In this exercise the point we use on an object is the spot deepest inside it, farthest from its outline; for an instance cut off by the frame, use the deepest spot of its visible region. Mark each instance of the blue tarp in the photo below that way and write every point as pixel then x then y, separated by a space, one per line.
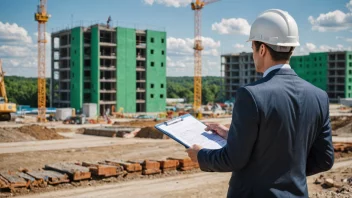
pixel 26 109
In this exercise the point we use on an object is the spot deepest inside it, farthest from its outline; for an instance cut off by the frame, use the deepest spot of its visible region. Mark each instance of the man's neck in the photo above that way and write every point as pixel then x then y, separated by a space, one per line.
pixel 274 63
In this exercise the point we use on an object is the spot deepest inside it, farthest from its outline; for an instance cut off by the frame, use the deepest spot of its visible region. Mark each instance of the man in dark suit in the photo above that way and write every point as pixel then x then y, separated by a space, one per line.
pixel 280 130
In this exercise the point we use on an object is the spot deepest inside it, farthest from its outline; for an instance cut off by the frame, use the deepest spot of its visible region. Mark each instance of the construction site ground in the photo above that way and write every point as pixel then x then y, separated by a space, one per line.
pixel 73 146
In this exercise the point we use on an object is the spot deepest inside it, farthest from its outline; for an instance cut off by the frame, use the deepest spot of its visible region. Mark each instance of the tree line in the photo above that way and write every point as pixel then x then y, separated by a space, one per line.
pixel 24 91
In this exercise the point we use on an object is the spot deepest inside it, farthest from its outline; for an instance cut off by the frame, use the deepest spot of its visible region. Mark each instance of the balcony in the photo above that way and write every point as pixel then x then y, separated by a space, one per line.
pixel 108 80
pixel 140 68
pixel 108 68
pixel 140 90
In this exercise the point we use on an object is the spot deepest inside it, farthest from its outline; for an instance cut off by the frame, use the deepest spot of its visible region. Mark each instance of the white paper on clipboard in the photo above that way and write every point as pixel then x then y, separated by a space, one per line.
pixel 189 131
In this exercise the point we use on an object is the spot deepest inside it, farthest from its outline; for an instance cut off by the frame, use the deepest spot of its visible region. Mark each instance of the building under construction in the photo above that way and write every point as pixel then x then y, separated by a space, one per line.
pixel 113 67
pixel 330 71
pixel 238 70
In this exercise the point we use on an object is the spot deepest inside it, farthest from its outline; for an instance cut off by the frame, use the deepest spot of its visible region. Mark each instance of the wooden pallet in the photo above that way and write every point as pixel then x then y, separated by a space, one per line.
pixel 75 172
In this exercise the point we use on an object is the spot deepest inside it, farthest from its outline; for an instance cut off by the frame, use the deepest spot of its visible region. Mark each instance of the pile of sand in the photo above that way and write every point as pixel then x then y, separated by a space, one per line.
pixel 8 135
pixel 40 132
pixel 151 132
pixel 28 133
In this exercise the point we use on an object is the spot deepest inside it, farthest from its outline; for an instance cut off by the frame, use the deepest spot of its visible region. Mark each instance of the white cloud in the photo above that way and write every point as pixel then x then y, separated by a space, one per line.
pixel 184 66
pixel 232 26
pixel 310 47
pixel 349 5
pixel 238 46
pixel 19 52
pixel 179 46
pixel 13 33
pixel 179 63
pixel 333 21
pixel 344 39
pixel 169 3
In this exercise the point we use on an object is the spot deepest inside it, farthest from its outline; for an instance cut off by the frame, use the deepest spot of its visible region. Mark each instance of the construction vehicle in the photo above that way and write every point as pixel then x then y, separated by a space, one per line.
pixel 6 108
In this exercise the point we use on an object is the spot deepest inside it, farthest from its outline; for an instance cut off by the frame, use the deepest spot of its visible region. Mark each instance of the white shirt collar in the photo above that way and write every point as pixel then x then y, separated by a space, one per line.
pixel 281 66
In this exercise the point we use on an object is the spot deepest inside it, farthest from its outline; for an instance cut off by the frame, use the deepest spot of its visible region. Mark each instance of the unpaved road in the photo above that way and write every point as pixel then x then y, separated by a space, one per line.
pixel 195 185
pixel 86 141
pixel 78 141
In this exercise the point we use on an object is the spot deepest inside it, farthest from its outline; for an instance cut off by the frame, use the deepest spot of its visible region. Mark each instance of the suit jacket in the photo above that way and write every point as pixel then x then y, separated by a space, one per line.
pixel 280 133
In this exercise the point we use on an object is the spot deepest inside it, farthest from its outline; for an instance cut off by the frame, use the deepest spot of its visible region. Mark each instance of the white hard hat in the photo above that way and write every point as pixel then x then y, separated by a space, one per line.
pixel 276 28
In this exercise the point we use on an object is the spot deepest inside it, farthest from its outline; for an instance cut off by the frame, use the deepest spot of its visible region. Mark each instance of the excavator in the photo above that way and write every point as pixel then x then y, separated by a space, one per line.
pixel 6 108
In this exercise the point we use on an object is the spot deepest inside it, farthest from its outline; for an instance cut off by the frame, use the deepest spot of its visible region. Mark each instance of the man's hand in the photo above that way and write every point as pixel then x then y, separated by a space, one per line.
pixel 219 129
pixel 193 152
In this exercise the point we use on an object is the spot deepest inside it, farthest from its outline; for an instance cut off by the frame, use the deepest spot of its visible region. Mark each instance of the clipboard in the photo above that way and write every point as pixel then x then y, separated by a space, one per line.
pixel 187 131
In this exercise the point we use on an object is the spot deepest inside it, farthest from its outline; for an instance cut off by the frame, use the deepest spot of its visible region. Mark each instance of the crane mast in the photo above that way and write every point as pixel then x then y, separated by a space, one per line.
pixel 42 18
pixel 198 47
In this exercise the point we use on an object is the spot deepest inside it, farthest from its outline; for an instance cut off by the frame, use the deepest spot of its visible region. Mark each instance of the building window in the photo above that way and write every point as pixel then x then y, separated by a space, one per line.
pixel 152 51
pixel 75 51
pixel 349 87
pixel 151 85
pixel 351 64
pixel 350 56
pixel 152 40
pixel 349 71
pixel 152 95
pixel 161 95
pixel 162 64
pixel 152 64
pixel 350 79
pixel 162 40
pixel 162 85
pixel 162 52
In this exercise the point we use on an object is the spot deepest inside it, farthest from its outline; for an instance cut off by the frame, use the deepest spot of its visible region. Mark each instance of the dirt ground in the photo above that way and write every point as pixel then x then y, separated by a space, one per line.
pixel 342 179
pixel 342 126
pixel 151 132
pixel 190 184
pixel 137 123
pixel 29 133
pixel 133 151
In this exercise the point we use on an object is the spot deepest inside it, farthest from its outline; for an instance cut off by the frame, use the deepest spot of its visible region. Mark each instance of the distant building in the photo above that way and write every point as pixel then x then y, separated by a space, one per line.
pixel 330 71
pixel 238 70
pixel 114 67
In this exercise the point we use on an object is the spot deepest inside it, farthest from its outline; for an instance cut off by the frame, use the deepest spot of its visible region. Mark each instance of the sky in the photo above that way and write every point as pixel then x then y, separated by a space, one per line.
pixel 323 25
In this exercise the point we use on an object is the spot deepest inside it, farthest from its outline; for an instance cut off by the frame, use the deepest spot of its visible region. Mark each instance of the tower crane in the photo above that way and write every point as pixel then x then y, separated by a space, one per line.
pixel 41 17
pixel 198 47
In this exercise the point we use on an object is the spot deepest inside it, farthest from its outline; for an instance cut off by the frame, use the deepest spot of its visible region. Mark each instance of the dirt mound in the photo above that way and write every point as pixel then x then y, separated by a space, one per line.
pixel 151 132
pixel 62 130
pixel 344 131
pixel 8 135
pixel 138 123
pixel 40 132
pixel 341 121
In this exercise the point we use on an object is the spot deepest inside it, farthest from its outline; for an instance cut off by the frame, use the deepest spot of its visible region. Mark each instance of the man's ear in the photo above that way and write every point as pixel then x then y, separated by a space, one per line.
pixel 262 50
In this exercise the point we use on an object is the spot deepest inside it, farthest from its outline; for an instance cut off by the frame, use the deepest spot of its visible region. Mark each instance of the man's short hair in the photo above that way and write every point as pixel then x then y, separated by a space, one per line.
pixel 276 56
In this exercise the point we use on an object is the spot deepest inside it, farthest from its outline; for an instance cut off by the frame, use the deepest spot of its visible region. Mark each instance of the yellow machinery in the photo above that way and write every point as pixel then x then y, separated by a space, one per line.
pixel 198 47
pixel 42 17
pixel 6 108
